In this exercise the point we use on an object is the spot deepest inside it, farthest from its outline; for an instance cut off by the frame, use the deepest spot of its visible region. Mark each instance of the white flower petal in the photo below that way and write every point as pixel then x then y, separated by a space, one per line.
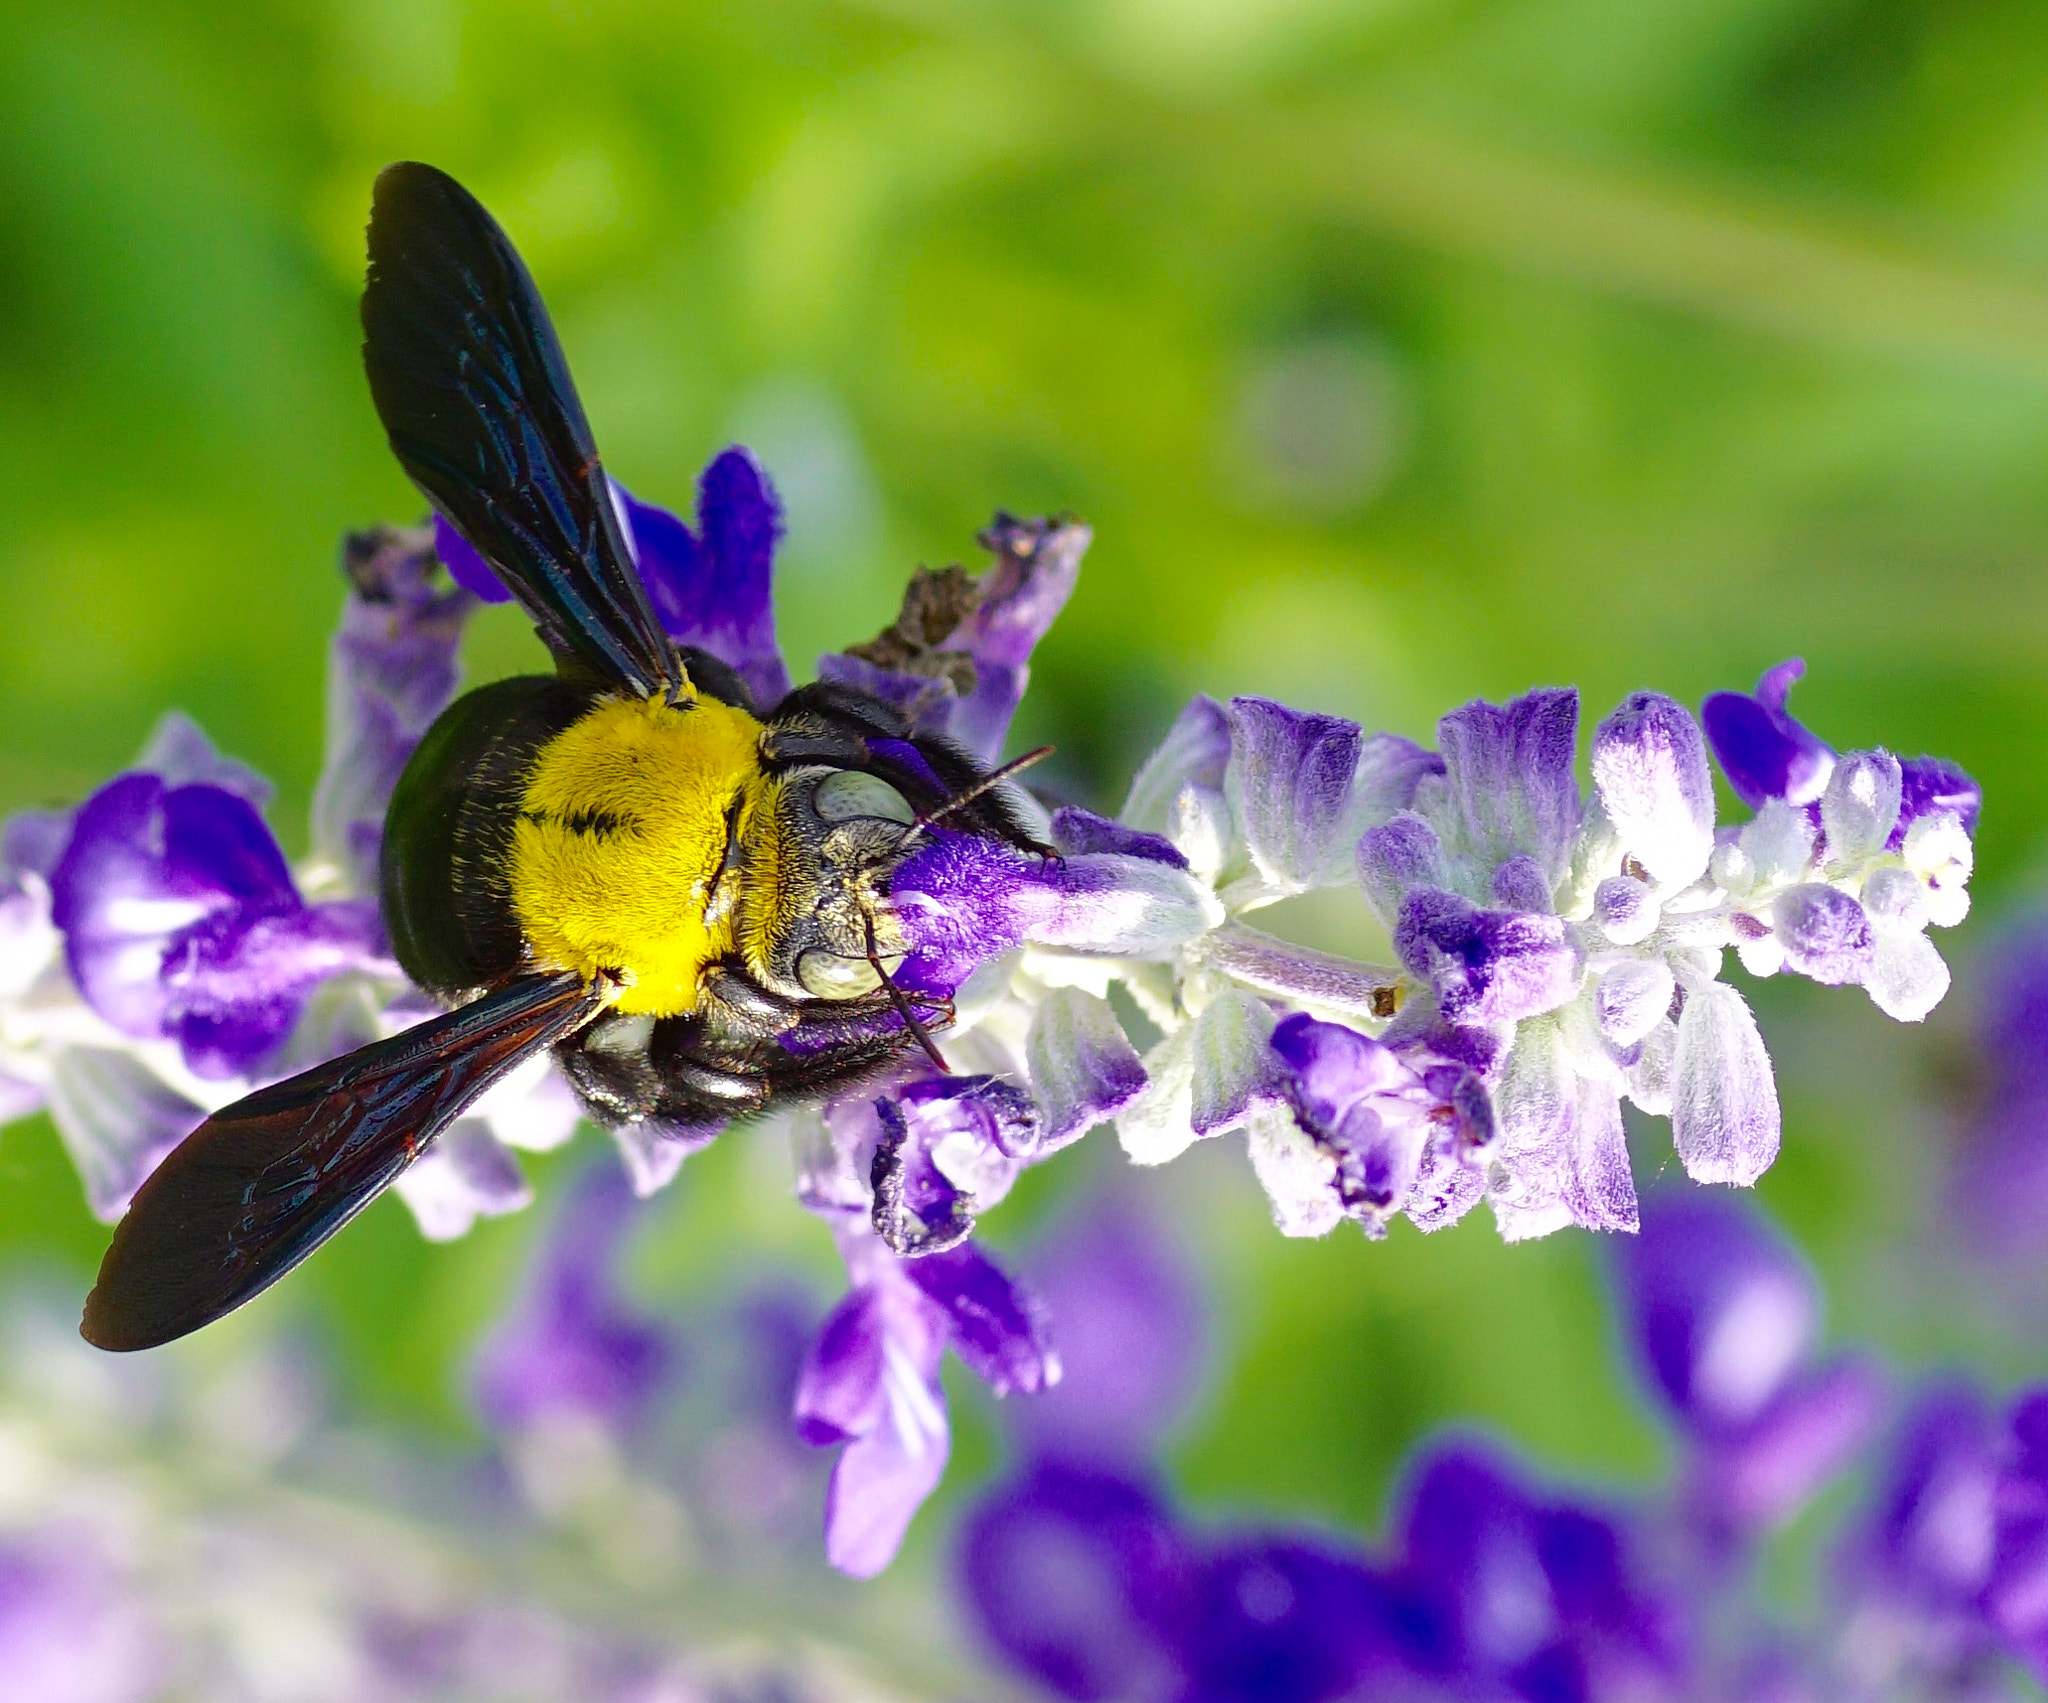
pixel 1907 977
pixel 1299 1178
pixel 1860 806
pixel 1724 1100
pixel 1157 1126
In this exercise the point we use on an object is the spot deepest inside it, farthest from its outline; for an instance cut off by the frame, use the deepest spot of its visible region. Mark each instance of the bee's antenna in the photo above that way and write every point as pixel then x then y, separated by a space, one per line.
pixel 987 783
pixel 900 1000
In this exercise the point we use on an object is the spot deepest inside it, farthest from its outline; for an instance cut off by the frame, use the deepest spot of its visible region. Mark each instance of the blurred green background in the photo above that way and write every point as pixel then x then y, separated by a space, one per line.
pixel 1398 350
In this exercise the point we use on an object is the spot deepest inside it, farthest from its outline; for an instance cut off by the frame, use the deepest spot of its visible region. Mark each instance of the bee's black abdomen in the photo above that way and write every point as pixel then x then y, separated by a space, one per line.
pixel 448 834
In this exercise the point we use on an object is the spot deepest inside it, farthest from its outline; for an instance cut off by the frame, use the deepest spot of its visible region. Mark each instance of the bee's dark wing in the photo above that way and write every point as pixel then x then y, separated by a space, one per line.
pixel 472 388
pixel 260 1185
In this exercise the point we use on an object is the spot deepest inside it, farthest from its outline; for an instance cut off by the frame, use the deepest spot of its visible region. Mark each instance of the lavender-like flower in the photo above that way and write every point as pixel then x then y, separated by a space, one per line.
pixel 1556 954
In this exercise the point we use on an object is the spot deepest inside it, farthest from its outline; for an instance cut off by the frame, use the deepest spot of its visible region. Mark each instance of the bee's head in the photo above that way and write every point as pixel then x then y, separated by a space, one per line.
pixel 813 901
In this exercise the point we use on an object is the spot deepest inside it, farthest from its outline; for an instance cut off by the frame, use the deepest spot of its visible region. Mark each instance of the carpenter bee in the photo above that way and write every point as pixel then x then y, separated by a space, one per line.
pixel 684 893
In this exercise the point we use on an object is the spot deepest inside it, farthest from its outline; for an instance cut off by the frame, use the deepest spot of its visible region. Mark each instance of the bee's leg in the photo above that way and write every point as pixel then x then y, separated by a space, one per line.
pixel 732 1001
pixel 629 1069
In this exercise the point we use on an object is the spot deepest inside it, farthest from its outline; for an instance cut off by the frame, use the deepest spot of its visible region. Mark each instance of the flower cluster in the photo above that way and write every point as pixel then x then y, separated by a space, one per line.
pixel 1083 1578
pixel 1554 954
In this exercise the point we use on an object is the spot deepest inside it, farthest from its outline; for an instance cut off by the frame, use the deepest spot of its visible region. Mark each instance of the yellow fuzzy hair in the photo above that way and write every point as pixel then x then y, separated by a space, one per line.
pixel 620 837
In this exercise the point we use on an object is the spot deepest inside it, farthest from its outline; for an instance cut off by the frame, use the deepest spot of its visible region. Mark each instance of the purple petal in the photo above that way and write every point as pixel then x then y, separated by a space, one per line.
pixel 146 861
pixel 1076 832
pixel 1081 1579
pixel 963 899
pixel 1508 776
pixel 1650 770
pixel 1083 1069
pixel 1122 1297
pixel 393 667
pixel 947 1147
pixel 179 754
pixel 1932 786
pixel 1765 753
pixel 1290 782
pixel 884 1474
pixel 1037 564
pixel 1485 966
pixel 32 842
pixel 1402 853
pixel 715 590
pixel 1280 1620
pixel 465 567
pixel 1809 1435
pixel 1825 934
pixel 997 1327
pixel 1723 1313
pixel 571 1347
pixel 839 1391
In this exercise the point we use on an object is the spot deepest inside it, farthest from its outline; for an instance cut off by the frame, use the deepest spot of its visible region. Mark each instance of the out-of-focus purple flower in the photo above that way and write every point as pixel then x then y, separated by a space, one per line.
pixel 571 1348
pixel 1725 1320
pixel 1998 1189
pixel 1534 1598
pixel 181 921
pixel 68 1632
pixel 1129 1325
pixel 1081 1579
pixel 393 667
pixel 1287 1619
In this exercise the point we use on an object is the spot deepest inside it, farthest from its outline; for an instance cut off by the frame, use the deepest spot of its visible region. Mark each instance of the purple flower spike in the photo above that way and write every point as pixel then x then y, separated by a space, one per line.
pixel 571 1349
pixel 1508 774
pixel 713 588
pixel 1082 1580
pixel 392 669
pixel 180 920
pixel 1485 966
pixel 1765 753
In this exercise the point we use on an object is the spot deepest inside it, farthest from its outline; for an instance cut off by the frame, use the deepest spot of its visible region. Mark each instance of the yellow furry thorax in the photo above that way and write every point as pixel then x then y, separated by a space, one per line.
pixel 624 827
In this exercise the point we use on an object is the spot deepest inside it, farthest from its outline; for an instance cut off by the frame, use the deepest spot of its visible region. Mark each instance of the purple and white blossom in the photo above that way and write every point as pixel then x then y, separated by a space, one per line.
pixel 1554 955
pixel 159 958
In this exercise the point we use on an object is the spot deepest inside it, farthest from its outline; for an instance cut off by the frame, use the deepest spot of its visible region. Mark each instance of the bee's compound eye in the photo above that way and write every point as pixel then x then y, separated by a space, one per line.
pixel 826 975
pixel 847 794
